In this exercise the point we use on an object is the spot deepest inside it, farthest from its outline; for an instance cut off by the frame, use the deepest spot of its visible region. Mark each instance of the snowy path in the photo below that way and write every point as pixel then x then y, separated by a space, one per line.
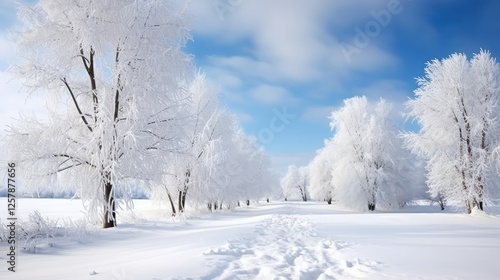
pixel 285 247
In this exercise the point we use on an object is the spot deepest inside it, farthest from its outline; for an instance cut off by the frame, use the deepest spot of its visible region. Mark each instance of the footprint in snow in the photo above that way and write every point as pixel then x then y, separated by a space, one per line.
pixel 285 247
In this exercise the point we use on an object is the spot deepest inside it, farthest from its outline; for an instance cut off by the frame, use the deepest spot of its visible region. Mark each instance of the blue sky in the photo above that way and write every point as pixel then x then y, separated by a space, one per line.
pixel 282 65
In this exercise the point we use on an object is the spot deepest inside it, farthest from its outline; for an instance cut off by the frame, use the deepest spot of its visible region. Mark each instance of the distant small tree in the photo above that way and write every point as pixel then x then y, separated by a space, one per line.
pixel 252 179
pixel 295 182
pixel 320 174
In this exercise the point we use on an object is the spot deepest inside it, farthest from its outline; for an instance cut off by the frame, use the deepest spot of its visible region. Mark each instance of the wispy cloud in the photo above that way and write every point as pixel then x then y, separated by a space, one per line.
pixel 7 50
pixel 393 91
pixel 318 113
pixel 289 52
pixel 244 117
pixel 273 95
pixel 290 40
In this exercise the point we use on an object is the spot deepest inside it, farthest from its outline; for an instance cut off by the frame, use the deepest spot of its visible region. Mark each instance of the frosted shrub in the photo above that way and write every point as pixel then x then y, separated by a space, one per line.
pixel 38 232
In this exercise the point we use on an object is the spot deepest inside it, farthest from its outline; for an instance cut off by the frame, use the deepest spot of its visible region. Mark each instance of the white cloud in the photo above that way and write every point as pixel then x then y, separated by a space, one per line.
pixel 370 58
pixel 245 118
pixel 269 94
pixel 7 48
pixel 246 66
pixel 391 90
pixel 270 47
pixel 221 76
pixel 290 40
pixel 228 84
pixel 318 113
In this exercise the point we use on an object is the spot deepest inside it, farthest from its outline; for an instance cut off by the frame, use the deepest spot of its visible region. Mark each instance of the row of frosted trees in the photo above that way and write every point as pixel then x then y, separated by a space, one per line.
pixel 126 109
pixel 362 166
pixel 453 158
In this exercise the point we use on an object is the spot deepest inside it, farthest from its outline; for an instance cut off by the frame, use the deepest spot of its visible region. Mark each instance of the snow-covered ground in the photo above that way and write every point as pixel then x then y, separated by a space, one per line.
pixel 279 240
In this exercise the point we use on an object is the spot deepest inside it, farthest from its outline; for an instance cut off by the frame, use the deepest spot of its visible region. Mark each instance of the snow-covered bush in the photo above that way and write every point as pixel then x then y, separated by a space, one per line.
pixel 38 232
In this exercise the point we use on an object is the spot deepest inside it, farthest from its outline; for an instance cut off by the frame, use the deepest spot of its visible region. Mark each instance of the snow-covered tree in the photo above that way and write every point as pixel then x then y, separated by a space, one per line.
pixel 404 177
pixel 224 178
pixel 456 105
pixel 368 161
pixel 295 182
pixel 266 184
pixel 320 174
pixel 112 71
pixel 219 165
pixel 201 145
pixel 250 168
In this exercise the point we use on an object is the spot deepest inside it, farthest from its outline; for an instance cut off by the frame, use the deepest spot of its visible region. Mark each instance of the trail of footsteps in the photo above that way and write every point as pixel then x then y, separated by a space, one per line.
pixel 286 247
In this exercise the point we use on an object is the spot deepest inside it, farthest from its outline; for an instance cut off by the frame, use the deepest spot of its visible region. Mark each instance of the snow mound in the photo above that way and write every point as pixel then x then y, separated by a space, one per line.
pixel 286 247
pixel 479 213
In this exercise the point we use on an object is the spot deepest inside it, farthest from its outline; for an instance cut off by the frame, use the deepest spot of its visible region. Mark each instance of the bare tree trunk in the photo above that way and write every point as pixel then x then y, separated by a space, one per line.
pixel 303 193
pixel 109 207
pixel 171 203
pixel 371 206
pixel 484 147
pixel 478 203
pixel 183 193
pixel 372 202
pixel 179 203
pixel 329 201
pixel 441 201
pixel 183 201
pixel 468 142
pixel 479 200
pixel 468 206
pixel 441 204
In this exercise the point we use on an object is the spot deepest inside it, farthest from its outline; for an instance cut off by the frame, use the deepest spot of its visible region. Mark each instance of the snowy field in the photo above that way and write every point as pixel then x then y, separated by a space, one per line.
pixel 279 240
